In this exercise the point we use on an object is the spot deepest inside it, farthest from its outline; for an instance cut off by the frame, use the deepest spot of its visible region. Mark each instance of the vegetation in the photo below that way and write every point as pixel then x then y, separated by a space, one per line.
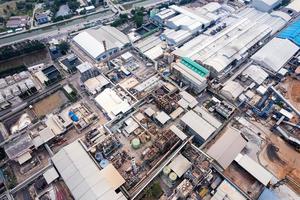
pixel 138 16
pixel 64 47
pixel 13 70
pixel 154 191
pixel 73 5
pixel 123 18
pixel 17 49
pixel 73 96
pixel 2 154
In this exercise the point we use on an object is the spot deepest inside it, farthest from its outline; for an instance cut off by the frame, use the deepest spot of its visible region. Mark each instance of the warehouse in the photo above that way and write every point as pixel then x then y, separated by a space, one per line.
pixel 195 125
pixel 228 45
pixel 111 103
pixel 227 147
pixel 266 5
pixel 256 73
pixel 101 43
pixel 232 90
pixel 82 175
pixel 192 74
pixel 294 5
pixel 275 54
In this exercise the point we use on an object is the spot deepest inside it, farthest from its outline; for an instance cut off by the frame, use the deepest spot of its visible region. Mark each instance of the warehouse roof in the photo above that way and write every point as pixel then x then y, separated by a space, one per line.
pixel 112 103
pixel 294 5
pixel 255 169
pixel 256 73
pixel 178 132
pixel 275 54
pixel 207 116
pixel 180 165
pixel 198 124
pixel 292 32
pixel 91 40
pixel 227 191
pixel 232 90
pixel 227 147
pixel 83 177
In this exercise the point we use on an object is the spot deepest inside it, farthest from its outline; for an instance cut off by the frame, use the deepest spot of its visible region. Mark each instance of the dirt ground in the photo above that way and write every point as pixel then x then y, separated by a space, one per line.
pixel 50 103
pixel 289 162
pixel 292 87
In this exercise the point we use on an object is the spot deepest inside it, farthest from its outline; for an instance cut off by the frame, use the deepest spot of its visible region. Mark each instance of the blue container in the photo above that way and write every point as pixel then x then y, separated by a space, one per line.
pixel 73 116
pixel 103 163
pixel 99 156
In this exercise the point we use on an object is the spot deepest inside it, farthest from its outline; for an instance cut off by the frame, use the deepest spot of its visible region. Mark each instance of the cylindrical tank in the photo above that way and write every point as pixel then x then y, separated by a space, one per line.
pixel 166 170
pixel 172 176
pixel 103 163
pixel 135 143
pixel 93 150
pixel 73 116
pixel 99 156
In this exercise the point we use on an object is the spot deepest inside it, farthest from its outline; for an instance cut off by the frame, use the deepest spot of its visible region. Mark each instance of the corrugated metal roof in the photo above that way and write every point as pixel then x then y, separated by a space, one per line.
pixel 227 147
pixel 203 72
pixel 255 169
pixel 84 179
pixel 292 32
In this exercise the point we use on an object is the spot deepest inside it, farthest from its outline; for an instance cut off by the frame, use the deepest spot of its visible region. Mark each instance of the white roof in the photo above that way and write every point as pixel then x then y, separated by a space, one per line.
pixel 244 30
pixel 178 132
pixel 112 103
pixel 83 67
pixel 256 73
pixel 95 84
pixel 255 169
pixel 165 13
pixel 50 175
pixel 192 101
pixel 180 165
pixel 295 5
pixel 198 124
pixel 41 77
pixel 232 90
pixel 227 191
pixel 91 40
pixel 162 117
pixel 24 157
pixel 126 56
pixel 149 112
pixel 43 136
pixel 286 113
pixel 207 116
pixel 84 178
pixel 275 54
pixel 261 89
pixel 268 2
pixel 227 147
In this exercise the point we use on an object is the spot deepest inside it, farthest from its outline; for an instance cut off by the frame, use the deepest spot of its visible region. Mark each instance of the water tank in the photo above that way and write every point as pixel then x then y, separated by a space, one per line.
pixel 103 163
pixel 93 150
pixel 73 116
pixel 166 170
pixel 99 156
pixel 172 176
pixel 135 143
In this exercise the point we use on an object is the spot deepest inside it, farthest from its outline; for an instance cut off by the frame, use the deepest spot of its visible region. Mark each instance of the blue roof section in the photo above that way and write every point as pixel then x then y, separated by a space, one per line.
pixel 268 194
pixel 292 32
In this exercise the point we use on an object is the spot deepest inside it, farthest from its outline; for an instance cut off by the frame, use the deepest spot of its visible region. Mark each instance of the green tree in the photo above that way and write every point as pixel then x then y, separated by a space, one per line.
pixel 64 47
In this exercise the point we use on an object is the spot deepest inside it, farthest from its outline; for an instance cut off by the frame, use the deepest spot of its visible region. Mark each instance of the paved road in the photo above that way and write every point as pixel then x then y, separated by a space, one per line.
pixel 56 29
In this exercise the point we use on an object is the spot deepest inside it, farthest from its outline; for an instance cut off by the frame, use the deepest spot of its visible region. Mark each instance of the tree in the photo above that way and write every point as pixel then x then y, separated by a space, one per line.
pixel 64 47
pixel 73 5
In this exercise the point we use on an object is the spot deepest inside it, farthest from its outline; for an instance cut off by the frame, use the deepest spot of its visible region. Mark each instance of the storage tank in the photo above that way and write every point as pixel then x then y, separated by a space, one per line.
pixel 73 116
pixel 173 177
pixel 93 150
pixel 103 163
pixel 135 143
pixel 99 156
pixel 166 170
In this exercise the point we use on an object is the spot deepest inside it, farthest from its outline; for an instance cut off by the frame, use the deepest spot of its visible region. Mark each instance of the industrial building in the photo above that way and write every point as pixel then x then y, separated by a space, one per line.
pixel 275 54
pixel 101 43
pixel 232 90
pixel 111 103
pixel 255 73
pixel 266 5
pixel 294 5
pixel 84 178
pixel 227 147
pixel 227 45
pixel 196 124
pixel 193 74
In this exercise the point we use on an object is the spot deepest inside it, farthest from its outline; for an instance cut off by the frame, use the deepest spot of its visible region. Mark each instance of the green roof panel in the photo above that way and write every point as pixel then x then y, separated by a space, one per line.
pixel 203 72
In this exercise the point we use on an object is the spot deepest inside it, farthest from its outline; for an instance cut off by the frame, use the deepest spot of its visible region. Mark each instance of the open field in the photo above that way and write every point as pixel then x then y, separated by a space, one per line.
pixel 50 103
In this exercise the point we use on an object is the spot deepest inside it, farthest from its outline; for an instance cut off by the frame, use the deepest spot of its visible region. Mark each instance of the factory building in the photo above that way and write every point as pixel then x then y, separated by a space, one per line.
pixel 84 178
pixel 294 5
pixel 200 124
pixel 227 147
pixel 275 54
pixel 230 43
pixel 266 5
pixel 101 43
pixel 192 74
